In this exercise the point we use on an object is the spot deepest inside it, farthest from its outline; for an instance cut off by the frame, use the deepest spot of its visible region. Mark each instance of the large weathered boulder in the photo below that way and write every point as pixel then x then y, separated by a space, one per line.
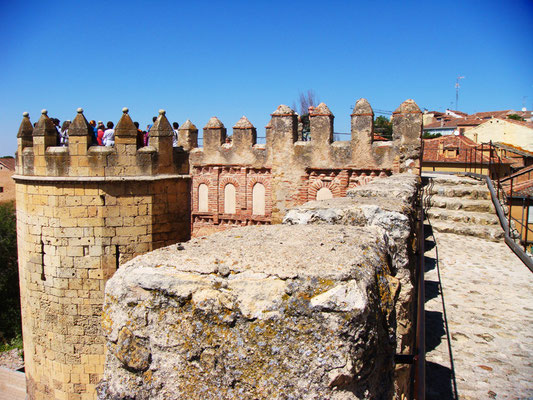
pixel 273 312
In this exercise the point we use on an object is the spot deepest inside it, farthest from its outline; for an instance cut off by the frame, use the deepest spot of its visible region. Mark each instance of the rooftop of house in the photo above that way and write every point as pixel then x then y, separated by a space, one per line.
pixel 456 112
pixel 456 149
pixel 444 123
pixel 8 163
pixel 456 119
pixel 514 149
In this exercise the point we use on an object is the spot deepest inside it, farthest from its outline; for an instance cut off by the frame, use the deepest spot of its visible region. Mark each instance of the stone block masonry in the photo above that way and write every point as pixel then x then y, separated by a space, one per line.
pixel 84 210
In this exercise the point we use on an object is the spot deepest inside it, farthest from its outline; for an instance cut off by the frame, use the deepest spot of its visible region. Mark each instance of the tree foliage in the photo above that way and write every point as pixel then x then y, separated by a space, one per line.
pixel 516 117
pixel 383 127
pixel 427 135
pixel 10 323
pixel 305 100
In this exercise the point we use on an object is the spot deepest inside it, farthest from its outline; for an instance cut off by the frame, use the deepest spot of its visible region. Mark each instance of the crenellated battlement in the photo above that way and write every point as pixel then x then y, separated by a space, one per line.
pixel 283 143
pixel 39 155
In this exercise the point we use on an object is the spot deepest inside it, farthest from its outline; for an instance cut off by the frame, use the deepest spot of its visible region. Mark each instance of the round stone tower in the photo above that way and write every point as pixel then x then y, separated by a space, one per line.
pixel 82 210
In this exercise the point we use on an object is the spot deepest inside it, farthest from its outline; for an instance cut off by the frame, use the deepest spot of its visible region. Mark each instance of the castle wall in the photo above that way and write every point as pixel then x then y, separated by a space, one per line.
pixel 73 232
pixel 295 169
pixel 82 210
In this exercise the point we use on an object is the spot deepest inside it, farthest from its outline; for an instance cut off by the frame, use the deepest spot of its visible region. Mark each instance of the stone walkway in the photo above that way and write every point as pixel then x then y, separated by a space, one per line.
pixel 479 320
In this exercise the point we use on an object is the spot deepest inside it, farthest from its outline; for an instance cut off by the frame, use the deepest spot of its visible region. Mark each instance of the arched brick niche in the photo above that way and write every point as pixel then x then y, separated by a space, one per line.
pixel 320 184
pixel 235 196
pixel 258 199
pixel 324 194
pixel 203 197
pixel 230 198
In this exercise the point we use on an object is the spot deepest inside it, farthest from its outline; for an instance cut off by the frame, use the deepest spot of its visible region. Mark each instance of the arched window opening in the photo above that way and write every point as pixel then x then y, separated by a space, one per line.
pixel 229 199
pixel 258 199
pixel 203 202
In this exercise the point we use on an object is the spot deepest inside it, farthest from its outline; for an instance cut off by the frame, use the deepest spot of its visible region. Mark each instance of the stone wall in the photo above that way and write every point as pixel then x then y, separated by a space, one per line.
pixel 272 312
pixel 295 170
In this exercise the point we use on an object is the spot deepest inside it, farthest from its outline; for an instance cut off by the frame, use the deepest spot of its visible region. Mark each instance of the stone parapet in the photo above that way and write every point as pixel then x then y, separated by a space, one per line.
pixel 38 152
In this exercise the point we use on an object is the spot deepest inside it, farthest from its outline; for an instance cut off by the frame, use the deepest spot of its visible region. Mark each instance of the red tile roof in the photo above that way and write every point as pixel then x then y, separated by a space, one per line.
pixel 435 150
pixel 8 163
pixel 446 123
pixel 522 182
pixel 470 121
pixel 491 114
pixel 379 138
pixel 458 112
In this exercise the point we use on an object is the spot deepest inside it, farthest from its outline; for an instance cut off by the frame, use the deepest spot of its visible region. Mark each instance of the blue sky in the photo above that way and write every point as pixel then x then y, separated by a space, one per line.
pixel 234 58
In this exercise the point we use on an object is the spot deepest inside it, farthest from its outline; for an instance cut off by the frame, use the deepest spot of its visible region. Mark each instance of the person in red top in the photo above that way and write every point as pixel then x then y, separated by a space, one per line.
pixel 100 133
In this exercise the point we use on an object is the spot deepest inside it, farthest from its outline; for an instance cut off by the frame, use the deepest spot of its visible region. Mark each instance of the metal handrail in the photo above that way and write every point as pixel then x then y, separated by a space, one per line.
pixel 420 344
pixel 528 261
pixel 494 170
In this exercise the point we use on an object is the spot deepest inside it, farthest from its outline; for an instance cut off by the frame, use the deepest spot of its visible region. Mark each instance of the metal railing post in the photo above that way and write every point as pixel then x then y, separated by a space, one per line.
pixel 510 207
pixel 527 218
pixel 490 160
pixel 522 221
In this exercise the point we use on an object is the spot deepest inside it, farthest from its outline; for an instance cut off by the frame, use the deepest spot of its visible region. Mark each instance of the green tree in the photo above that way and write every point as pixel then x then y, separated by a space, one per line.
pixel 427 135
pixel 10 322
pixel 383 127
pixel 516 117
pixel 305 100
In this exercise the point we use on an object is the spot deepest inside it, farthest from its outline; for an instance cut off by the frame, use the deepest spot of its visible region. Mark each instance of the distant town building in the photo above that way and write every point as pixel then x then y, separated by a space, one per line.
pixel 508 131
pixel 459 153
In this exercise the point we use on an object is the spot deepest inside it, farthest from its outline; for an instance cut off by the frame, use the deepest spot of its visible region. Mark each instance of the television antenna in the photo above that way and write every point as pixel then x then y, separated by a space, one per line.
pixel 457 86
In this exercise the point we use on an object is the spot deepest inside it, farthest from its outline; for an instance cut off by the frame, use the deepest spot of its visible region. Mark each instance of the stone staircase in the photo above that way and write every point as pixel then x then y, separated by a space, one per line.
pixel 461 205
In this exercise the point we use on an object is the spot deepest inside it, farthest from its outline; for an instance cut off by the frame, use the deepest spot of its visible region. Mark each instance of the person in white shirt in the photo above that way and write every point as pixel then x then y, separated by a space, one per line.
pixel 175 127
pixel 109 135
pixel 63 134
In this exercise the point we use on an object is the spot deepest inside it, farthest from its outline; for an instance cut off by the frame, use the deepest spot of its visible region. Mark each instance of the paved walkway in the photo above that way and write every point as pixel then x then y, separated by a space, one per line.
pixel 12 385
pixel 480 324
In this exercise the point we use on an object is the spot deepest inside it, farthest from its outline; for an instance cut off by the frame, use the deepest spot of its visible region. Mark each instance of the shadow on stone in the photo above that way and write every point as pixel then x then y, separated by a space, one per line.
pixel 438 382
pixel 431 289
pixel 434 329
pixel 429 263
pixel 428 231
pixel 429 245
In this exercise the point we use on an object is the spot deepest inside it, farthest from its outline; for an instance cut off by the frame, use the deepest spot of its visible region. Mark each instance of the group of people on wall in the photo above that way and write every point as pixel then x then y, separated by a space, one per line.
pixel 104 135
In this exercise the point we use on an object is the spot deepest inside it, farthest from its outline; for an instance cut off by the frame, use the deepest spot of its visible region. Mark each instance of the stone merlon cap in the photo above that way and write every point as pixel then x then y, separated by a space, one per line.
pixel 321 110
pixel 214 123
pixel 161 126
pixel 125 126
pixel 26 128
pixel 362 107
pixel 407 107
pixel 283 111
pixel 187 125
pixel 243 123
pixel 80 126
pixel 45 126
